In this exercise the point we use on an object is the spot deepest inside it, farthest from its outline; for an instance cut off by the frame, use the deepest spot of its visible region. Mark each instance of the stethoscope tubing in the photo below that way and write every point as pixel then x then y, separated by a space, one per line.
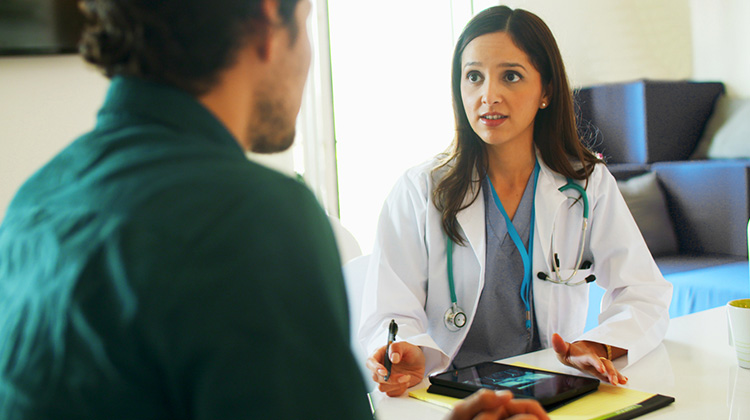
pixel 579 260
pixel 555 264
pixel 451 283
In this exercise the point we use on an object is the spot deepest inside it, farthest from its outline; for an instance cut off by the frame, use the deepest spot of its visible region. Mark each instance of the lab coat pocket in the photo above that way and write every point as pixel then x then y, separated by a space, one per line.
pixel 568 304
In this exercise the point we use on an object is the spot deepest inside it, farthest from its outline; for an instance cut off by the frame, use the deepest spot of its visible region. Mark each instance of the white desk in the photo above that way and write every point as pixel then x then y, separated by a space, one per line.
pixel 694 364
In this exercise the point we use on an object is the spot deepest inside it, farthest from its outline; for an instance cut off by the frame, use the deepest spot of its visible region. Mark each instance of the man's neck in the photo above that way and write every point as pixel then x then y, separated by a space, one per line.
pixel 230 100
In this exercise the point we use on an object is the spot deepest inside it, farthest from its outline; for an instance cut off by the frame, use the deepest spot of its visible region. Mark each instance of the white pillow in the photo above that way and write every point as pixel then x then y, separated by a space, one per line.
pixel 648 206
pixel 732 139
pixel 719 116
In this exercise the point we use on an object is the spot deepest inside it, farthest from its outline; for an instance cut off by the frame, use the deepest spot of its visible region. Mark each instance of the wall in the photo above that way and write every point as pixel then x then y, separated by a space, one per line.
pixel 721 43
pixel 45 102
pixel 619 40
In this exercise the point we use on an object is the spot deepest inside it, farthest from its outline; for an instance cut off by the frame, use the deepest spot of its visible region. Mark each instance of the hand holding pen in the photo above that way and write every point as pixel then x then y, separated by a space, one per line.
pixel 392 331
pixel 396 366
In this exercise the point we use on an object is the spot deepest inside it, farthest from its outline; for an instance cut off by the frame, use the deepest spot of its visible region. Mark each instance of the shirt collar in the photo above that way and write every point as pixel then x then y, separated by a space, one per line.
pixel 130 98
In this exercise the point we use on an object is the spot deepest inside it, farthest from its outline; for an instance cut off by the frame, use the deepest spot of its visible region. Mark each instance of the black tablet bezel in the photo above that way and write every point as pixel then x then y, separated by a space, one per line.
pixel 583 385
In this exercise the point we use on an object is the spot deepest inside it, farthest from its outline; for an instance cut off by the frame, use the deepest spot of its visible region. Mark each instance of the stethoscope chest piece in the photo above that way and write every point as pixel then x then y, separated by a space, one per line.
pixel 455 318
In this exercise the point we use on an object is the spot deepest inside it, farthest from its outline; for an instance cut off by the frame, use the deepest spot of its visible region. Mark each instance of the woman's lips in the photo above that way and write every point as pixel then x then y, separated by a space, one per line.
pixel 493 119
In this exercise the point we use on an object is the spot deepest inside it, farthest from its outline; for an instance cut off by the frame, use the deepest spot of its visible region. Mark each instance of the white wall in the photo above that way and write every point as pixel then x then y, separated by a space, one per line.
pixel 721 43
pixel 621 40
pixel 618 40
pixel 45 102
pixel 48 101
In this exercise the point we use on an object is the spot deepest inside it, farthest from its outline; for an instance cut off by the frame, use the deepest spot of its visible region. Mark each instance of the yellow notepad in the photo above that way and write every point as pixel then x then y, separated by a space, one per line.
pixel 605 402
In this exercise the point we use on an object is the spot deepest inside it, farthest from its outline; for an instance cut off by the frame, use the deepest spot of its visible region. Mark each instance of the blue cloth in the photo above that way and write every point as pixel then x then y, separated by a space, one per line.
pixel 694 291
pixel 707 288
pixel 498 329
pixel 150 271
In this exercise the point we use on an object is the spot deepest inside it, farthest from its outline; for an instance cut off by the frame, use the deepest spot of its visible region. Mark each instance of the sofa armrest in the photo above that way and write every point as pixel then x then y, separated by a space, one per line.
pixel 625 171
pixel 709 204
pixel 647 121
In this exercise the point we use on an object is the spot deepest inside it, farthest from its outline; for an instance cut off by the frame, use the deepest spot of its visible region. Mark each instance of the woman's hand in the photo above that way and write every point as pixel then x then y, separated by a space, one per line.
pixel 583 356
pixel 489 405
pixel 407 368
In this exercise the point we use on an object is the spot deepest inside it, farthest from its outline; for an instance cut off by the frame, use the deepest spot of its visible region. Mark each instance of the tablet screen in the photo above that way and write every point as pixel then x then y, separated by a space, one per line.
pixel 546 387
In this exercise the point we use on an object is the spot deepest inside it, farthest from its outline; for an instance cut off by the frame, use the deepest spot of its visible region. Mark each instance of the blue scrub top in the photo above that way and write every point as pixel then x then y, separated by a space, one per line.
pixel 499 327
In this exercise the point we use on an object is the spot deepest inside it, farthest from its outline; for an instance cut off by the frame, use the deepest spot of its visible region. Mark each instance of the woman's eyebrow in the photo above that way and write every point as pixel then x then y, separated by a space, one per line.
pixel 504 65
pixel 511 65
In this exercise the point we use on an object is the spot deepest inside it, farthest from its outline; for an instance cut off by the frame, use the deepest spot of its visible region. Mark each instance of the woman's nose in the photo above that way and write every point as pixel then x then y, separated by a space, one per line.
pixel 492 93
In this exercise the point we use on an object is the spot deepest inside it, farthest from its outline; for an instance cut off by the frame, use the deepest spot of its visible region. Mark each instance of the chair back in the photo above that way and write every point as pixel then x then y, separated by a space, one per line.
pixel 346 242
pixel 354 277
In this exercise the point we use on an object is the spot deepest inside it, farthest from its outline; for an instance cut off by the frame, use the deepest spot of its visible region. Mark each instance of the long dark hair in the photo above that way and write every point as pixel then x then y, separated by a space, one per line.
pixel 555 131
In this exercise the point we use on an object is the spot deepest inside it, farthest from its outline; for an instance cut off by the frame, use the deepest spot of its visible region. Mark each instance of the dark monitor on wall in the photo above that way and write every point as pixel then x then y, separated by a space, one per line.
pixel 39 26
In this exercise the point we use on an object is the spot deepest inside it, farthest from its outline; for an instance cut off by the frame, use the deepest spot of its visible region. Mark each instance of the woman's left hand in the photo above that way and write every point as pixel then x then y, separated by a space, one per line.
pixel 583 356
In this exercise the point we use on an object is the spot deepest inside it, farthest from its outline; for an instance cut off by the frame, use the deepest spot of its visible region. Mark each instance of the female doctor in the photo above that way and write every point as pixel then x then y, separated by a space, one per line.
pixel 487 252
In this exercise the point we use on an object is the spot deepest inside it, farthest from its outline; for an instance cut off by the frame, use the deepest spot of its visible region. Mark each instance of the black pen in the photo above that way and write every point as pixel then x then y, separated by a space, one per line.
pixel 392 331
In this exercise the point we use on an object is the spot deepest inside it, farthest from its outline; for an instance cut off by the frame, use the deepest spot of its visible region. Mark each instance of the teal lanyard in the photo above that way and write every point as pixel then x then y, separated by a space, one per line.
pixel 526 257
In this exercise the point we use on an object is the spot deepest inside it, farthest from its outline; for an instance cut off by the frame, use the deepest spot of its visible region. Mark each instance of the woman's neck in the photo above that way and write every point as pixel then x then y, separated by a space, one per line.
pixel 510 165
pixel 510 170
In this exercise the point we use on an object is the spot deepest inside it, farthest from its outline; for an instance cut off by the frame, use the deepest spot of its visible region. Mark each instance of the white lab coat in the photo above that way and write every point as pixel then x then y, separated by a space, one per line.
pixel 407 276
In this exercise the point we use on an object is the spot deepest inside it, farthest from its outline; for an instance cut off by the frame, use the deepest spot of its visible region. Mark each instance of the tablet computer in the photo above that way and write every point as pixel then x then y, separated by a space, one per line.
pixel 551 389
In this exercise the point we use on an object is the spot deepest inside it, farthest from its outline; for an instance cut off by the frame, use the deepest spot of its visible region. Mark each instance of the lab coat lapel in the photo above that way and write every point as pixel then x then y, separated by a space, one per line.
pixel 471 220
pixel 547 200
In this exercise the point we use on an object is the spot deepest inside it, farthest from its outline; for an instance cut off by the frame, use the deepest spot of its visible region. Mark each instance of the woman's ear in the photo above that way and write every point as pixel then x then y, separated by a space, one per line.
pixel 544 103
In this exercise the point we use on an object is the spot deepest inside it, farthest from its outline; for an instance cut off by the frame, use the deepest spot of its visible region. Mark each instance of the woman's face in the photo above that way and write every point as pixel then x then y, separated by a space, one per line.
pixel 500 89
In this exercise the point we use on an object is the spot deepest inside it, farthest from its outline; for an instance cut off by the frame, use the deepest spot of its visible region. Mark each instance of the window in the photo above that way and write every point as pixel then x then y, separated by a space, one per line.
pixel 391 93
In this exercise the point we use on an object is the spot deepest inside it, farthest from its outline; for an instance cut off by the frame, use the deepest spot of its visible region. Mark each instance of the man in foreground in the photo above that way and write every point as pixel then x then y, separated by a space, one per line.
pixel 151 271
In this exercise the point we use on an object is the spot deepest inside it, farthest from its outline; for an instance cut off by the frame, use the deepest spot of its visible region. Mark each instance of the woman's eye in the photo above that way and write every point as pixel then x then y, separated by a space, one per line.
pixel 473 77
pixel 512 77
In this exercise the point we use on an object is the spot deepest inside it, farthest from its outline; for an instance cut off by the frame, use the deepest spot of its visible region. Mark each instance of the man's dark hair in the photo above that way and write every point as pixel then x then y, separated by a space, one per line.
pixel 183 43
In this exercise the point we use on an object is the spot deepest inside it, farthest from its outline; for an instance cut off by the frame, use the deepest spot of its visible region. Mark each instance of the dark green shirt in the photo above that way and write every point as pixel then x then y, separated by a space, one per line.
pixel 150 271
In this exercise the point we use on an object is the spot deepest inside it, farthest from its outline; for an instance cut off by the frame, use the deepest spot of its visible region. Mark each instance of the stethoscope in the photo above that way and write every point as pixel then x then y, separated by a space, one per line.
pixel 455 317
pixel 580 264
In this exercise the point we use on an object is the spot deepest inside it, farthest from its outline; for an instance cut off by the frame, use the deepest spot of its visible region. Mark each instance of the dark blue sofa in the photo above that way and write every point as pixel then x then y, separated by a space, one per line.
pixel 653 126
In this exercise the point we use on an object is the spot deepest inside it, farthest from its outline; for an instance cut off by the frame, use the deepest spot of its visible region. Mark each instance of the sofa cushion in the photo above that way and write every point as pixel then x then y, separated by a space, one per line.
pixel 646 202
pixel 680 263
pixel 706 288
pixel 694 290
pixel 709 204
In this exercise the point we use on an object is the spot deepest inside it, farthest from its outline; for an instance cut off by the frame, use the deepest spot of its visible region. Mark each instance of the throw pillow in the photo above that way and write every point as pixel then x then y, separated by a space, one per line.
pixel 647 204
pixel 732 139
pixel 718 117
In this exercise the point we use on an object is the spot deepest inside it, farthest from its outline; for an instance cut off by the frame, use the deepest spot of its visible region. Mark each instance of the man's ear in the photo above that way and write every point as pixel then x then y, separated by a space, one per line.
pixel 264 36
